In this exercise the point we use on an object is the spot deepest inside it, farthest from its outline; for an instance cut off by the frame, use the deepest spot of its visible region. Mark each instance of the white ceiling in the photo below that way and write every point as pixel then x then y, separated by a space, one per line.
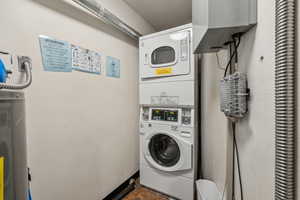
pixel 163 14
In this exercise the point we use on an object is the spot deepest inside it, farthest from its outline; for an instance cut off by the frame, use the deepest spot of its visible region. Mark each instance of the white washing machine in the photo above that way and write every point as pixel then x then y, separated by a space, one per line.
pixel 168 158
pixel 168 115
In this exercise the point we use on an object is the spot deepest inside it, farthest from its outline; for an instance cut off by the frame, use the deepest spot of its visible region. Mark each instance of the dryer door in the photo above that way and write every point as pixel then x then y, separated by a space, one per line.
pixel 167 152
pixel 165 55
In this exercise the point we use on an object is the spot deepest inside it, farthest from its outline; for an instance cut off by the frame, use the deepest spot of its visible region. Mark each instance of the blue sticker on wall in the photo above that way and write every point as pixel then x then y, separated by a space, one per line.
pixel 56 55
pixel 112 67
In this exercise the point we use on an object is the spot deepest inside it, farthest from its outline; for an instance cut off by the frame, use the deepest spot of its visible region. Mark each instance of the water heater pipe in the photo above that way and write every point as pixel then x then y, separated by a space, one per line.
pixel 285 101
pixel 24 66
pixel 107 17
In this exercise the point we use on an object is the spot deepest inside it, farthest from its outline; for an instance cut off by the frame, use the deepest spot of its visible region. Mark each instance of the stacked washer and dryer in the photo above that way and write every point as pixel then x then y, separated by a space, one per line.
pixel 168 112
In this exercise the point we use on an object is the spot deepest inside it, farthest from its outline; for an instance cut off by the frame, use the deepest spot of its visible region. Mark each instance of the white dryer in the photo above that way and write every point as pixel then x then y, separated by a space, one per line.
pixel 166 57
pixel 168 151
pixel 166 54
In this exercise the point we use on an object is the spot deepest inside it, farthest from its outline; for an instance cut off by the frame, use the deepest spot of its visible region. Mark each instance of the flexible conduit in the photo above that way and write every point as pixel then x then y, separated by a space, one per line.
pixel 285 110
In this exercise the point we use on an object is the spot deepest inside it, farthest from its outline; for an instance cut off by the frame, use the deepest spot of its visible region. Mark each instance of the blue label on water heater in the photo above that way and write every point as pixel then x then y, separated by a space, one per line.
pixel 2 72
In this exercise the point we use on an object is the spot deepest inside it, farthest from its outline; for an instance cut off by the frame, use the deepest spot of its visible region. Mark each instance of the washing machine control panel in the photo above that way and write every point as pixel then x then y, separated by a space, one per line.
pixel 164 115
pixel 178 116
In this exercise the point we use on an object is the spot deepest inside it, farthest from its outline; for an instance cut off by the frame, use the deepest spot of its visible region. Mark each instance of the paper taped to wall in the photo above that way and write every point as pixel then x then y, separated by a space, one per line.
pixel 86 60
pixel 56 54
pixel 112 67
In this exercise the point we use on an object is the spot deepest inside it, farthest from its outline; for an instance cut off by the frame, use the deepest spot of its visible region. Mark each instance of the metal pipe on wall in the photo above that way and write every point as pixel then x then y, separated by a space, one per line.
pixel 285 101
pixel 24 66
pixel 107 17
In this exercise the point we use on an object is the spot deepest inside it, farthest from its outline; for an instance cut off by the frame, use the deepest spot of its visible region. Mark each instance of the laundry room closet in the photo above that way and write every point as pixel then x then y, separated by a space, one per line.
pixel 149 100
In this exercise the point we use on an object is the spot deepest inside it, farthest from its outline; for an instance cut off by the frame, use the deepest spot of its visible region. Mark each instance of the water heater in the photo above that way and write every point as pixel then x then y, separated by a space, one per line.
pixel 13 159
pixel 215 21
pixel 14 174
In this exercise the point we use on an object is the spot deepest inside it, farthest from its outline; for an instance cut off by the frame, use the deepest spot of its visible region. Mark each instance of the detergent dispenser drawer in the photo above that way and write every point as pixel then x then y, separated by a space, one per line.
pixel 13 161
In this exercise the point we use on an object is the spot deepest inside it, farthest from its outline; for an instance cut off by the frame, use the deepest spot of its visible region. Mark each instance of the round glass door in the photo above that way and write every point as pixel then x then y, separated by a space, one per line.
pixel 163 55
pixel 164 150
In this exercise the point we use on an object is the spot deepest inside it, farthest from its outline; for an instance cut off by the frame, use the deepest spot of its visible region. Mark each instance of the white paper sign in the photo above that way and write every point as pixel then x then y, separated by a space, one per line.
pixel 86 60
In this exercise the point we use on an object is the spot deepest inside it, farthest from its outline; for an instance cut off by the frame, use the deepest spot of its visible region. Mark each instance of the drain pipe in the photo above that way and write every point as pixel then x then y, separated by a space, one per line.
pixel 285 101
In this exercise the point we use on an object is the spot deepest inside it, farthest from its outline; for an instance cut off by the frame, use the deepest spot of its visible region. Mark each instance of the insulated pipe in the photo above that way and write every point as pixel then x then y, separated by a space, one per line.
pixel 285 101
pixel 107 17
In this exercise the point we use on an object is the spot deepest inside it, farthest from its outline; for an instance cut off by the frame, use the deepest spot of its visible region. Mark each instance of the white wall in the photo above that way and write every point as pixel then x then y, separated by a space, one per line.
pixel 82 128
pixel 255 133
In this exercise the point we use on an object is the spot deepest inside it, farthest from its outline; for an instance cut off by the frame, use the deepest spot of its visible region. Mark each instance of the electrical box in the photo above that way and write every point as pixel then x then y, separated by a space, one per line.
pixel 215 21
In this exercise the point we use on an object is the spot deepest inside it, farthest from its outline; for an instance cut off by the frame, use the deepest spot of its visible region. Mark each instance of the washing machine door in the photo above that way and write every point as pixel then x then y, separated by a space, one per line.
pixel 167 152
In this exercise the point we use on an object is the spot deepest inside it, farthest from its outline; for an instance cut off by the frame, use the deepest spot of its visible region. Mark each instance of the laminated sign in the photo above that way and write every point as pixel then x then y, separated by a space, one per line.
pixel 112 67
pixel 86 60
pixel 56 54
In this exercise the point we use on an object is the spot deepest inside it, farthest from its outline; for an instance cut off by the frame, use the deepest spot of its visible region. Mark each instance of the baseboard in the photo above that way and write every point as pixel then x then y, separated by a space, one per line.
pixel 122 187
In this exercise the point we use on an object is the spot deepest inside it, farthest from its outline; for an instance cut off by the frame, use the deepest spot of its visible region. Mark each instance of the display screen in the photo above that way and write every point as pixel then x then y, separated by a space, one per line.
pixel 165 115
pixel 158 114
pixel 171 116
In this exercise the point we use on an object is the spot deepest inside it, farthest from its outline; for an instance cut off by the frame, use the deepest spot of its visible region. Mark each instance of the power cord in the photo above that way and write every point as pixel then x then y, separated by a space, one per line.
pixel 238 160
pixel 237 155
pixel 236 46
pixel 233 163
pixel 235 43
pixel 236 149
pixel 235 53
